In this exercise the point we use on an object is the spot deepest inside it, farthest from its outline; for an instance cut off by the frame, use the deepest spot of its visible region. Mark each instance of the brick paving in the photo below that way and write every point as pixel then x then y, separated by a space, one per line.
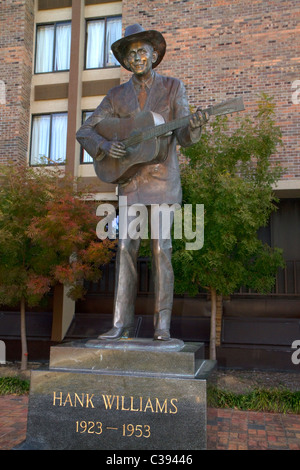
pixel 13 420
pixel 227 429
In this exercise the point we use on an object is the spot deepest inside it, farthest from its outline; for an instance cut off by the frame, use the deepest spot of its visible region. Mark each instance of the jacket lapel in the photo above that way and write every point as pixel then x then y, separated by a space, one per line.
pixel 126 102
pixel 157 94
pixel 129 104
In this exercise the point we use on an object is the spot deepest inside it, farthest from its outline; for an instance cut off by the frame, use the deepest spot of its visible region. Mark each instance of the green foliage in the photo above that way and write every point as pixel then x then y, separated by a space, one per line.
pixel 13 385
pixel 229 171
pixel 47 235
pixel 273 400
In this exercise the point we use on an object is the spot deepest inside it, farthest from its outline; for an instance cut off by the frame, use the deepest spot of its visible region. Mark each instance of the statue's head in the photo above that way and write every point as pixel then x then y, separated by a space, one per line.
pixel 140 57
pixel 139 50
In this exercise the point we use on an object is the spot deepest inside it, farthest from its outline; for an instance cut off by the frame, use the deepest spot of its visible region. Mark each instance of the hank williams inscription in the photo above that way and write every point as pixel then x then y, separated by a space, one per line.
pixel 144 165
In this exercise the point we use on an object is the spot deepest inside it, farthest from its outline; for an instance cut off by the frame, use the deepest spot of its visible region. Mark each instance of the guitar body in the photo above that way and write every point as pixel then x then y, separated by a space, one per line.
pixel 150 151
pixel 144 137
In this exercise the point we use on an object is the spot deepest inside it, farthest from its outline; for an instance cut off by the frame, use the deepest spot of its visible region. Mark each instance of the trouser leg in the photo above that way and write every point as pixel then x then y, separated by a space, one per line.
pixel 162 274
pixel 163 285
pixel 125 282
pixel 126 285
pixel 125 290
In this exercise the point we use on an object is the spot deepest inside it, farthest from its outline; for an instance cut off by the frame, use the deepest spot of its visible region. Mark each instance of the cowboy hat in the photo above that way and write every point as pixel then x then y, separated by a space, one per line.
pixel 136 32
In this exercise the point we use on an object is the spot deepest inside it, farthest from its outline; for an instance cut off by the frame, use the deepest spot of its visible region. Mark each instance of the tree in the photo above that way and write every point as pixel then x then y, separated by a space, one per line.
pixel 47 235
pixel 232 175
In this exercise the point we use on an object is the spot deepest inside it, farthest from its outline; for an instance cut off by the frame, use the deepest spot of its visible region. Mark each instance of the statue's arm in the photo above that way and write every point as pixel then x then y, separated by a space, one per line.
pixel 189 134
pixel 87 135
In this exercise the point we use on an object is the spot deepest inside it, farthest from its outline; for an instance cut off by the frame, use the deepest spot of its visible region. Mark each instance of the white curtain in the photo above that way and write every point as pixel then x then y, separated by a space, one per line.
pixel 95 44
pixel 113 33
pixel 62 47
pixel 44 49
pixel 59 138
pixel 40 140
pixel 86 158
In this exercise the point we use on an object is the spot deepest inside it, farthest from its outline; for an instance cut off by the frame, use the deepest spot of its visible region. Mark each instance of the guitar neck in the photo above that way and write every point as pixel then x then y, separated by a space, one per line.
pixel 156 131
pixel 226 107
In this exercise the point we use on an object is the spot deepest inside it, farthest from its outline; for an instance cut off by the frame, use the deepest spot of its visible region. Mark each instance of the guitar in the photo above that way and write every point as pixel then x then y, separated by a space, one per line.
pixel 140 135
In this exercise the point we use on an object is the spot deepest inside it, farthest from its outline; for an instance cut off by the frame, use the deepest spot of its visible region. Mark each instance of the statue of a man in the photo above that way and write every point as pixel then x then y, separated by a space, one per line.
pixel 140 52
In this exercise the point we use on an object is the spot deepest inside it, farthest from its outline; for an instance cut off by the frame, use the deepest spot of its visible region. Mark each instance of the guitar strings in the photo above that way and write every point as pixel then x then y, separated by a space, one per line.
pixel 155 131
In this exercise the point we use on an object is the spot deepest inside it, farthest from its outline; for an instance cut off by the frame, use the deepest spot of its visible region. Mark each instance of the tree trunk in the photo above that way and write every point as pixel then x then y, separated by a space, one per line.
pixel 24 358
pixel 212 343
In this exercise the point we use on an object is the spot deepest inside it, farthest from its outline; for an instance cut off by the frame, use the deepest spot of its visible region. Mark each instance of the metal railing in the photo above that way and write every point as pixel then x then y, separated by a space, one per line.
pixel 287 280
pixel 105 286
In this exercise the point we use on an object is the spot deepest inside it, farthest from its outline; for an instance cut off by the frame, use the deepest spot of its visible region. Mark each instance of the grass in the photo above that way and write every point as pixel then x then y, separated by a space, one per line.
pixel 273 400
pixel 13 386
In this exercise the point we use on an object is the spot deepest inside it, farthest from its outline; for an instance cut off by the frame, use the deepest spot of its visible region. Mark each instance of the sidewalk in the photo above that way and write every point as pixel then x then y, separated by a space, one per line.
pixel 227 429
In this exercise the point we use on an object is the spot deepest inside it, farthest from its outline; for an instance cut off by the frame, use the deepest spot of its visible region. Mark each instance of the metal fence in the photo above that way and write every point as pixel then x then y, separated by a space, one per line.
pixel 105 286
pixel 287 280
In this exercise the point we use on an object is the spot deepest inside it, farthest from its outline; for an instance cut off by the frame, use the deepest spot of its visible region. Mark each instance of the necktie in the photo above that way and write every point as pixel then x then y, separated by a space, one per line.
pixel 142 95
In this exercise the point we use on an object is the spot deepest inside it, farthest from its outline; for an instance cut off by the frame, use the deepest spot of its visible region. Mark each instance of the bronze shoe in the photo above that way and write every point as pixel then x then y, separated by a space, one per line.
pixel 117 333
pixel 162 335
pixel 162 322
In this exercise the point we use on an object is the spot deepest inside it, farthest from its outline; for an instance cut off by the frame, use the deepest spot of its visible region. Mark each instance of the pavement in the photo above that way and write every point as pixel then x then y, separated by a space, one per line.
pixel 227 429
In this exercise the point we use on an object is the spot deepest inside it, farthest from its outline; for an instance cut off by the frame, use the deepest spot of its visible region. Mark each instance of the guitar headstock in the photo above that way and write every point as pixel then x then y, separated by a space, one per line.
pixel 226 107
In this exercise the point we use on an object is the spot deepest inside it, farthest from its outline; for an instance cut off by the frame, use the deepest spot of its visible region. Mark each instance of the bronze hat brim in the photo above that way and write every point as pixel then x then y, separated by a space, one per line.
pixel 153 37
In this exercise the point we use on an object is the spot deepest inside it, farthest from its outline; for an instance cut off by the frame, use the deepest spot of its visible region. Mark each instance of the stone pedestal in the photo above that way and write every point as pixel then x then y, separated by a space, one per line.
pixel 131 394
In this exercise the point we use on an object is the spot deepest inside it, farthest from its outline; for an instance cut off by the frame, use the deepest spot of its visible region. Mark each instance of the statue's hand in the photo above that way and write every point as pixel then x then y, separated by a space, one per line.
pixel 198 119
pixel 114 149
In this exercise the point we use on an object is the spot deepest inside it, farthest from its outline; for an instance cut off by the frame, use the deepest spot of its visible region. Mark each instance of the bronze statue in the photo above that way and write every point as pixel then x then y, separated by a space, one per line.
pixel 147 171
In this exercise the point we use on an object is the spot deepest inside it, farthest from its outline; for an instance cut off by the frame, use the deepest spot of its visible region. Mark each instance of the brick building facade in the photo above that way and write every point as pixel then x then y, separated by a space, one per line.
pixel 228 48
pixel 16 44
pixel 219 49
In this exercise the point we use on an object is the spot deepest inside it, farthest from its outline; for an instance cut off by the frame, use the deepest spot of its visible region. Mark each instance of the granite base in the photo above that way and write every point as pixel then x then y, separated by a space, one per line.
pixel 81 404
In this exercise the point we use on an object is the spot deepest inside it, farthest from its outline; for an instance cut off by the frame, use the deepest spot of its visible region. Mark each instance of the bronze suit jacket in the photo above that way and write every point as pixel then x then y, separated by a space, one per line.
pixel 155 183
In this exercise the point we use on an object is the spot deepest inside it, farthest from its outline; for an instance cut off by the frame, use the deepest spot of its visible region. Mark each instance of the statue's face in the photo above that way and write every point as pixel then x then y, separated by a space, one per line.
pixel 139 57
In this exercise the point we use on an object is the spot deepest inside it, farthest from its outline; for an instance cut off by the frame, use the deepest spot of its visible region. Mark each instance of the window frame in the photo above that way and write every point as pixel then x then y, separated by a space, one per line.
pixel 105 18
pixel 50 138
pixel 81 162
pixel 54 23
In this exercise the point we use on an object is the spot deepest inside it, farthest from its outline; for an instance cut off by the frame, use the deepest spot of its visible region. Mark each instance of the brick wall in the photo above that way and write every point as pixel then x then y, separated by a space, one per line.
pixel 16 43
pixel 223 48
pixel 219 48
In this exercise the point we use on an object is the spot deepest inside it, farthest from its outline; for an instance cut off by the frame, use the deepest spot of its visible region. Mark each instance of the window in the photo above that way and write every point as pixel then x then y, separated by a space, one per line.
pixel 85 157
pixel 101 33
pixel 53 43
pixel 49 139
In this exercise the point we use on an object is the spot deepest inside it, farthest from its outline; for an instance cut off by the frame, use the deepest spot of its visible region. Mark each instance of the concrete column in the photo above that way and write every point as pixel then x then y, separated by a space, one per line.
pixel 75 86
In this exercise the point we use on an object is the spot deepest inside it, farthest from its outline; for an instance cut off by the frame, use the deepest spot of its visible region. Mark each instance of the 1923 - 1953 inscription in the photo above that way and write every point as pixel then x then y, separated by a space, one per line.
pixel 75 410
pixel 114 403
